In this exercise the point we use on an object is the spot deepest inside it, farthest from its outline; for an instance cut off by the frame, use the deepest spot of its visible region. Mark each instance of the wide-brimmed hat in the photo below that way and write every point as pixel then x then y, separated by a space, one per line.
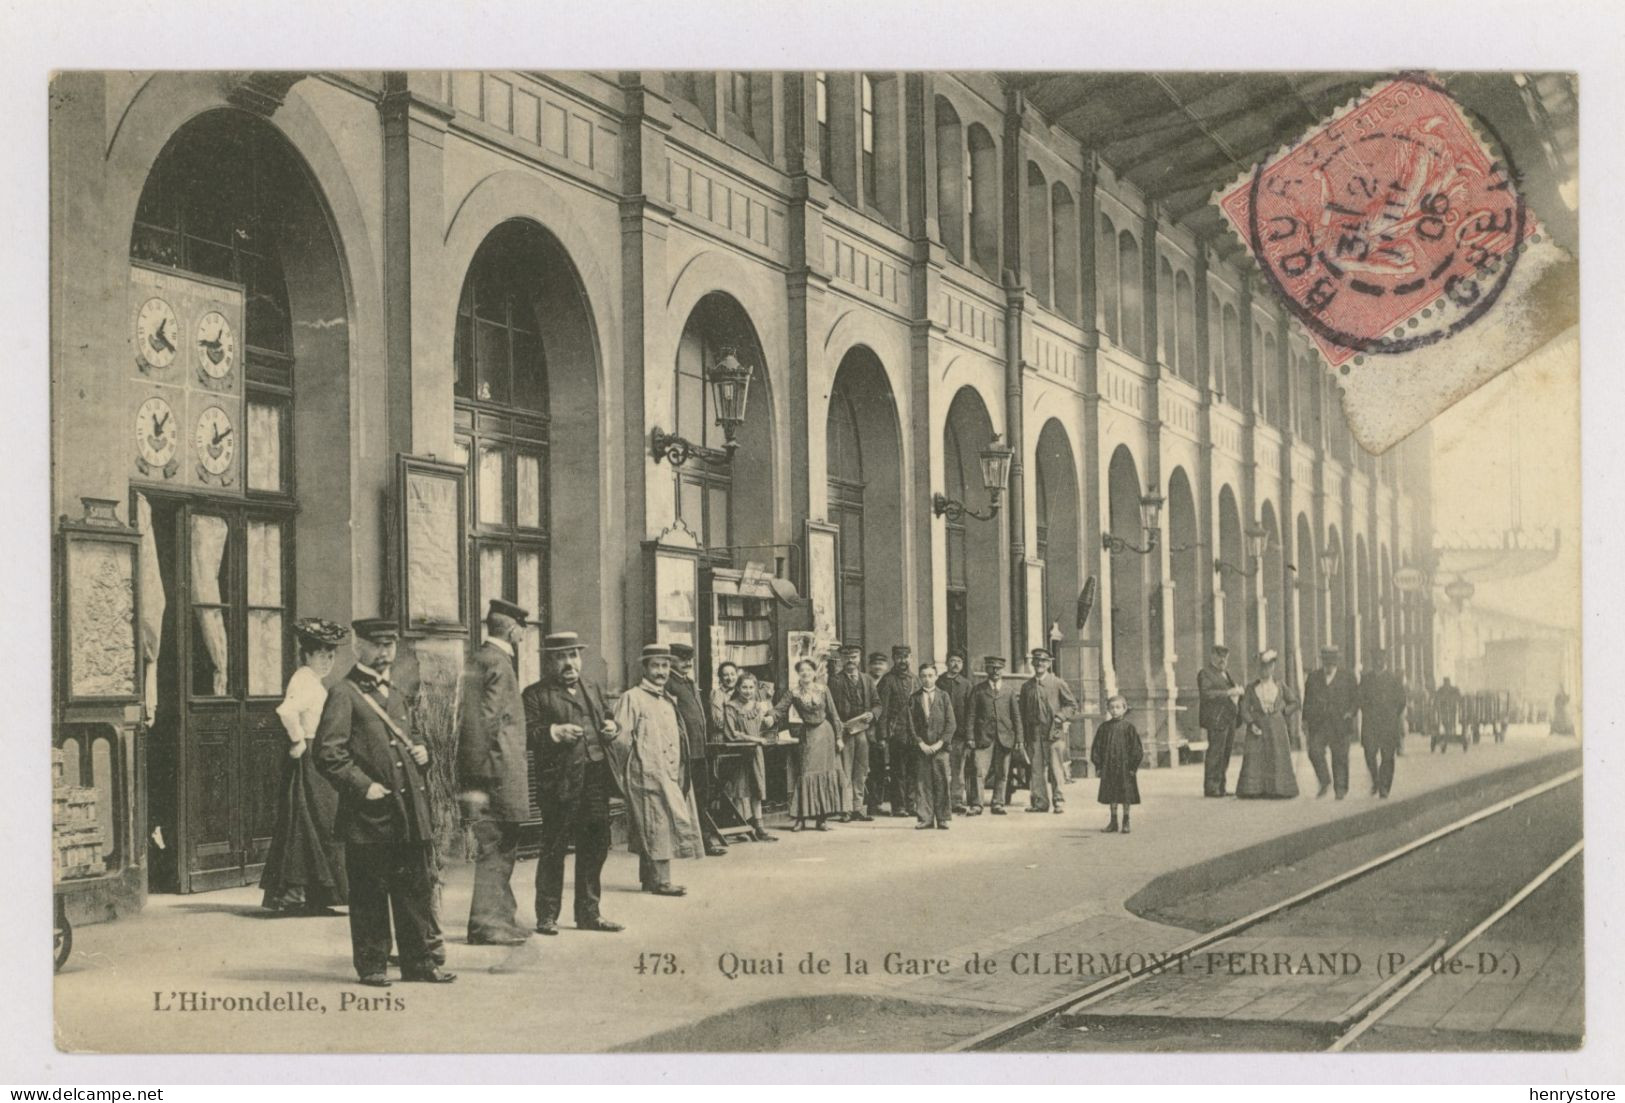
pixel 316 632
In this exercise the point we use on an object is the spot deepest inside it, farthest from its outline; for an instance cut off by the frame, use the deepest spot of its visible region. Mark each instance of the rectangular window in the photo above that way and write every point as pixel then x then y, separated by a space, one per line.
pixel 821 93
pixel 264 608
pixel 491 485
pixel 528 490
pixel 211 589
pixel 739 97
pixel 264 446
pixel 528 567
pixel 869 190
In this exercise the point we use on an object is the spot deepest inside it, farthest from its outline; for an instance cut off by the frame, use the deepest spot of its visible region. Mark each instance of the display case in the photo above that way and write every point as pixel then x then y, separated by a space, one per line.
pixel 431 569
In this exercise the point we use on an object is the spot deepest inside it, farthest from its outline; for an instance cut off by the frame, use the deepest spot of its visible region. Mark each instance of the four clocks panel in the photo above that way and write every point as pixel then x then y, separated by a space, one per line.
pixel 185 382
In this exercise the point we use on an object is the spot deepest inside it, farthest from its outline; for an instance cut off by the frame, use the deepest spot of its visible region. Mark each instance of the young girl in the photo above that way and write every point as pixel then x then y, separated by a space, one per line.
pixel 303 874
pixel 1115 754
pixel 748 721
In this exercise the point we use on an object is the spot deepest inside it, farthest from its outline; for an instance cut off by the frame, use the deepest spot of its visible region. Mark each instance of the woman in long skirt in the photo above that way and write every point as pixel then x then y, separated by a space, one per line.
pixel 746 724
pixel 303 873
pixel 1266 766
pixel 821 786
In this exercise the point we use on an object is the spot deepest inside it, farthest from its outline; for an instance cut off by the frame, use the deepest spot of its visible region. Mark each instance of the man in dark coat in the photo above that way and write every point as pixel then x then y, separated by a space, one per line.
pixel 568 725
pixel 492 772
pixel 1329 704
pixel 875 786
pixel 1218 714
pixel 996 722
pixel 932 725
pixel 363 750
pixel 896 689
pixel 964 787
pixel 1447 709
pixel 1047 706
pixel 1382 722
pixel 856 700
pixel 696 723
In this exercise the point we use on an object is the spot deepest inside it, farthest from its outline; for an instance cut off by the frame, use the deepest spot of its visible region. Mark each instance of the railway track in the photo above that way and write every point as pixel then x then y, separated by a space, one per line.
pixel 1369 1011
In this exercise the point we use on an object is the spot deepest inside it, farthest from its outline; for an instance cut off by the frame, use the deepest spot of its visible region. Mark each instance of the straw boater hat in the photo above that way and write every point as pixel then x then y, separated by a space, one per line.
pixel 656 651
pixel 316 632
pixel 563 641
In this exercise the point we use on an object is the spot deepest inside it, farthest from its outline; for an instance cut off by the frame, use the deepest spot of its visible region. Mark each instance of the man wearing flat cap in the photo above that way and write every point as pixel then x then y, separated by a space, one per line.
pixel 896 690
pixel 696 720
pixel 1047 706
pixel 571 731
pixel 1218 713
pixel 996 723
pixel 492 772
pixel 857 703
pixel 364 750
pixel 647 758
pixel 964 788
pixel 1329 704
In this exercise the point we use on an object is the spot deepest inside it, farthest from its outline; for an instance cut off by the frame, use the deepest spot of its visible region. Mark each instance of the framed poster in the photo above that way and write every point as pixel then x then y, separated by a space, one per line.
pixel 823 559
pixel 432 509
pixel 673 564
pixel 99 621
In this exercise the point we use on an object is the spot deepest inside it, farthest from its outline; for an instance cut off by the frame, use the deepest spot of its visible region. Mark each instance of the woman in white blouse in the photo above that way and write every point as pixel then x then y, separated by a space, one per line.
pixel 1266 766
pixel 304 874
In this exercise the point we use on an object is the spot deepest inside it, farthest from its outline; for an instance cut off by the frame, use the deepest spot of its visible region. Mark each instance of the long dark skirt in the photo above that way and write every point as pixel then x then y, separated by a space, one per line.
pixel 303 866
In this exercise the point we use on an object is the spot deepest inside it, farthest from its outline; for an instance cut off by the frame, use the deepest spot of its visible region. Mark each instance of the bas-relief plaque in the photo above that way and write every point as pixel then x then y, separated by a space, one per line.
pixel 101 618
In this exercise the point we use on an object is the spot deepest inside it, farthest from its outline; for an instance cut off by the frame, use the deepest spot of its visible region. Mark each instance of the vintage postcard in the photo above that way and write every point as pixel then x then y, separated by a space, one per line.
pixel 815 561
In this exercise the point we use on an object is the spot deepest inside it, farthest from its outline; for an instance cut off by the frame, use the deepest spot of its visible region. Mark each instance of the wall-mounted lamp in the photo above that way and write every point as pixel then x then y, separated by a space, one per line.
pixel 1331 559
pixel 729 381
pixel 995 460
pixel 1150 515
pixel 1256 536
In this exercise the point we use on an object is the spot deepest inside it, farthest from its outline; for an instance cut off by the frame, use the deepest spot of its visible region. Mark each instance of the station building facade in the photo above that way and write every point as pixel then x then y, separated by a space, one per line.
pixel 525 275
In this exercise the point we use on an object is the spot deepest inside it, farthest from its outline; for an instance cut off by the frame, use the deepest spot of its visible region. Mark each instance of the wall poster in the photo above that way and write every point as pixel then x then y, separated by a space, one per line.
pixel 433 518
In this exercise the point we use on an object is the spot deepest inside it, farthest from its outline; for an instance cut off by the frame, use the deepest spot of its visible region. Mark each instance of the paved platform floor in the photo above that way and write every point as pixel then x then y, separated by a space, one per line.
pixel 913 907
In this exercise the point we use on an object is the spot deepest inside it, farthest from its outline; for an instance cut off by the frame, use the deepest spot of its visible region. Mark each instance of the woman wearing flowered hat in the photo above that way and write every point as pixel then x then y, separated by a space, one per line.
pixel 303 871
pixel 1266 764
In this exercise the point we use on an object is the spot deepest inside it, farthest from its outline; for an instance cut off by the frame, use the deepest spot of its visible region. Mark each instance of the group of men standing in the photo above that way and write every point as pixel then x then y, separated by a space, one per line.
pixel 913 737
pixel 1332 699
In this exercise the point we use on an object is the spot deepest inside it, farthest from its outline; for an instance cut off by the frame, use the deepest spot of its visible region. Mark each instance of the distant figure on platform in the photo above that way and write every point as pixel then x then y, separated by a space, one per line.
pixel 1047 706
pixel 1330 700
pixel 1266 765
pixel 1115 754
pixel 857 704
pixel 996 722
pixel 647 757
pixel 570 729
pixel 362 748
pixel 493 773
pixel 875 786
pixel 696 721
pixel 1562 723
pixel 820 788
pixel 1447 709
pixel 747 725
pixel 896 689
pixel 1218 715
pixel 932 719
pixel 1382 723
pixel 304 871
pixel 964 788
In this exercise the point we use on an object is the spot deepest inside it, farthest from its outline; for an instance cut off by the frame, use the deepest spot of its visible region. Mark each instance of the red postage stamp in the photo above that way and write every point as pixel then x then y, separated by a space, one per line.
pixel 1388 228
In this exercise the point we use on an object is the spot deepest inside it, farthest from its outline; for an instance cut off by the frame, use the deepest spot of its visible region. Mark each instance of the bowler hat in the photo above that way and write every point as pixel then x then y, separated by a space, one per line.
pixel 684 651
pixel 1330 652
pixel 563 641
pixel 508 609
pixel 376 629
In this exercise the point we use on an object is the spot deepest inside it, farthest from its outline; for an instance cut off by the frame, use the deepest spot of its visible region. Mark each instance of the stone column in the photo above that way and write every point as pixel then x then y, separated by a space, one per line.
pixel 1257 621
pixel 1207 590
pixel 1015 297
pixel 1157 567
pixel 1090 554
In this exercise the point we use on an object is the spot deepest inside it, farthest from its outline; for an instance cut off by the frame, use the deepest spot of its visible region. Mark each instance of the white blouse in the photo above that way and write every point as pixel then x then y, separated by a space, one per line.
pixel 301 706
pixel 1268 694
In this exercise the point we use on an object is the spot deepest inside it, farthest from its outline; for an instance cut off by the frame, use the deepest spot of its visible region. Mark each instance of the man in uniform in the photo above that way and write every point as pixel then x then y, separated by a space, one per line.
pixel 1329 704
pixel 896 689
pixel 1217 715
pixel 1382 722
pixel 932 724
pixel 857 702
pixel 965 790
pixel 647 758
pixel 569 728
pixel 1047 705
pixel 363 750
pixel 996 722
pixel 696 723
pixel 492 773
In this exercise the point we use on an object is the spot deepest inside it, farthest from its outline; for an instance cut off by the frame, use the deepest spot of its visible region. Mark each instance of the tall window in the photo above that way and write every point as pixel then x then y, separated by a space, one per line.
pixel 502 425
pixel 958 551
pixel 825 150
pixel 704 484
pixel 846 485
pixel 870 191
pixel 739 97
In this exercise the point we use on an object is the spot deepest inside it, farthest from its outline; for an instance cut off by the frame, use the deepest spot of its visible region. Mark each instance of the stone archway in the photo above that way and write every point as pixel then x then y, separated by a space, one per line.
pixel 1186 560
pixel 975 578
pixel 865 473
pixel 1130 612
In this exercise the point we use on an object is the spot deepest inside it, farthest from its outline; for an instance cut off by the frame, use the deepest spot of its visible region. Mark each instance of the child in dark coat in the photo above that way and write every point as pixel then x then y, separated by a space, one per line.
pixel 1115 754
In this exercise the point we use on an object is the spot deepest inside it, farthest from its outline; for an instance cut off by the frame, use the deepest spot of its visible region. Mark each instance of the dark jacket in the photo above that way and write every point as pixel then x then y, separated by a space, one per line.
pixel 1046 707
pixel 560 767
pixel 996 718
pixel 1382 709
pixel 957 687
pixel 1329 709
pixel 354 748
pixel 692 712
pixel 1217 712
pixel 853 698
pixel 896 687
pixel 491 734
pixel 939 726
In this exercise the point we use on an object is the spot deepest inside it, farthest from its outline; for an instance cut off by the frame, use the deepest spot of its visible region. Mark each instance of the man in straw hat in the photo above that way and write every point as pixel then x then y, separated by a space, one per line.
pixel 492 772
pixel 1329 704
pixel 570 730
pixel 364 751
pixel 647 757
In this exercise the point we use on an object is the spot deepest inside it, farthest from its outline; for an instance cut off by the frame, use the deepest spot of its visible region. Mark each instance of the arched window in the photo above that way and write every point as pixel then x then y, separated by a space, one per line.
pixel 1215 344
pixel 1185 325
pixel 821 97
pixel 1232 358
pixel 843 445
pixel 1167 334
pixel 866 132
pixel 1130 282
pixel 1258 370
pixel 1107 304
pixel 1271 382
pixel 984 200
pixel 1038 234
pixel 1064 215
pixel 952 179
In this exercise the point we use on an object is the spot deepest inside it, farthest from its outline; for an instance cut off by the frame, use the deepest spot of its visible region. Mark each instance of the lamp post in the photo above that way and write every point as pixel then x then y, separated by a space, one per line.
pixel 1255 535
pixel 729 381
pixel 1150 516
pixel 995 460
pixel 1331 558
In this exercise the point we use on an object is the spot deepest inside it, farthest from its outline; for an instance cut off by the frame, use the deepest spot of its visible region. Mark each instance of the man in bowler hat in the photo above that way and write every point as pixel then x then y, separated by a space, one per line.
pixel 1329 705
pixel 493 771
pixel 1382 722
pixel 363 749
pixel 1218 714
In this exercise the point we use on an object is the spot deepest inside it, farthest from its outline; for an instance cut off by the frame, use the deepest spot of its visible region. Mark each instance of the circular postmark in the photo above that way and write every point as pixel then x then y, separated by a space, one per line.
pixel 1389 216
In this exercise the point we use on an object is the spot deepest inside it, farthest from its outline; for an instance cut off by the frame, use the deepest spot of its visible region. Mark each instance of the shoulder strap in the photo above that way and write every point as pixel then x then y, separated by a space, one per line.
pixel 394 730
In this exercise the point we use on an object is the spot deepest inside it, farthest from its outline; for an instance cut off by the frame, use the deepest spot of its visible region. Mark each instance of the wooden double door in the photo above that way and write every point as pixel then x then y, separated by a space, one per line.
pixel 221 635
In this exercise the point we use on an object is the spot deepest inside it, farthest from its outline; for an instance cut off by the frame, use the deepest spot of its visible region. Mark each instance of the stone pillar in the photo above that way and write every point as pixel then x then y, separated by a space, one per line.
pixel 1281 374
pixel 1207 590
pixel 1089 453
pixel 1257 621
pixel 1157 567
pixel 1015 297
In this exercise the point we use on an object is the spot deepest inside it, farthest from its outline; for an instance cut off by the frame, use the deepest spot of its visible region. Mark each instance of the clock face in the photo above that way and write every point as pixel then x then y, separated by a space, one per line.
pixel 216 345
pixel 216 441
pixel 157 333
pixel 156 433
